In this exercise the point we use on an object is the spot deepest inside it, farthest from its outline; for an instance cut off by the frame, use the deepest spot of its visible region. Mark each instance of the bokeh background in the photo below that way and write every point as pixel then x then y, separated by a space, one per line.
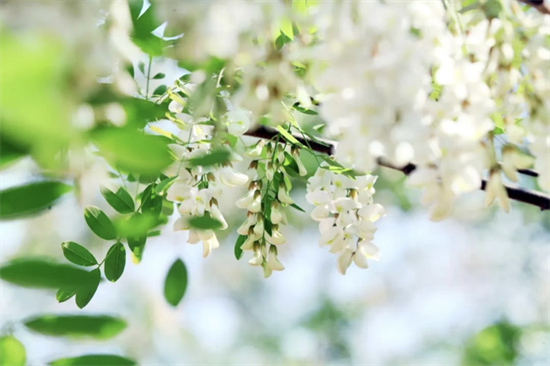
pixel 472 290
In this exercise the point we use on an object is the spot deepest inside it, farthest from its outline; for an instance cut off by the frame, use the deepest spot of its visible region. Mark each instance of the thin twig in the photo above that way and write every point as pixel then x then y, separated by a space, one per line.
pixel 535 198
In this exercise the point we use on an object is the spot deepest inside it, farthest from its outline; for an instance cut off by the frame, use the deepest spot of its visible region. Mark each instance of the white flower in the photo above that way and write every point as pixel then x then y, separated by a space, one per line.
pixel 217 214
pixel 273 261
pixel 245 227
pixel 257 258
pixel 238 121
pixel 283 196
pixel 344 261
pixel 371 212
pixel 196 201
pixel 208 238
pixel 182 223
pixel 252 201
pixel 256 151
pixel 495 189
pixel 277 216
pixel 276 238
pixel 231 178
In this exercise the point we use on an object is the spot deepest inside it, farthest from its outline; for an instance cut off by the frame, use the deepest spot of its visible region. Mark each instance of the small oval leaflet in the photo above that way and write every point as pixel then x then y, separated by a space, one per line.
pixel 77 254
pixel 99 223
pixel 175 284
pixel 115 262
pixel 85 293
pixel 120 200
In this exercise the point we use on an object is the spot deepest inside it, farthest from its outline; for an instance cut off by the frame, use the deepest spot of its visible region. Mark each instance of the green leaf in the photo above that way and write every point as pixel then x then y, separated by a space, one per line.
pixel 94 360
pixel 135 225
pixel 64 294
pixel 152 206
pixel 120 200
pixel 115 262
pixel 205 222
pixel 140 111
pixel 160 90
pixel 290 163
pixel 472 6
pixel 338 168
pixel 134 151
pixel 10 152
pixel 295 206
pixel 175 283
pixel 100 223
pixel 85 293
pixel 12 352
pixel 95 326
pixel 36 71
pixel 160 75
pixel 238 250
pixel 289 137
pixel 40 273
pixel 303 110
pixel 164 184
pixel 137 246
pixel 30 199
pixel 219 156
pixel 77 254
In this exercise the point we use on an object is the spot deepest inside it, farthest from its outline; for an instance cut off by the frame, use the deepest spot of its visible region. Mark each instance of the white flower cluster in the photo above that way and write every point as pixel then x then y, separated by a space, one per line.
pixel 346 213
pixel 265 202
pixel 197 189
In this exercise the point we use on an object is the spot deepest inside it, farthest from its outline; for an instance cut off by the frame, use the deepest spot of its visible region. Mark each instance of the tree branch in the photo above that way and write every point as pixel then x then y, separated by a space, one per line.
pixel 516 193
pixel 540 5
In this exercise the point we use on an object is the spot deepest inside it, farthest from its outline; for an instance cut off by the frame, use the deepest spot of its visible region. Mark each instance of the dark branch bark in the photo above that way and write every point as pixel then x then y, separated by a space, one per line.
pixel 540 5
pixel 327 147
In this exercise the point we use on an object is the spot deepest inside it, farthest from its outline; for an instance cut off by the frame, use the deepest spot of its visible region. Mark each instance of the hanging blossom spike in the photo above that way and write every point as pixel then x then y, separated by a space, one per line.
pixel 346 213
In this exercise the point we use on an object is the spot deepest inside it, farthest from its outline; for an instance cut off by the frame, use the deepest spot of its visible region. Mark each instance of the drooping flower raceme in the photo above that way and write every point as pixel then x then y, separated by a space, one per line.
pixel 346 212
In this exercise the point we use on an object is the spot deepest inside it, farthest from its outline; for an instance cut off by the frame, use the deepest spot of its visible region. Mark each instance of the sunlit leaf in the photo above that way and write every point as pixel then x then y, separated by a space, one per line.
pixel 77 254
pixel 115 262
pixel 35 105
pixel 64 294
pixel 160 75
pixel 40 273
pixel 30 199
pixel 289 137
pixel 12 352
pixel 120 200
pixel 99 223
pixel 175 284
pixel 95 326
pixel 137 246
pixel 165 184
pixel 140 111
pixel 94 360
pixel 133 151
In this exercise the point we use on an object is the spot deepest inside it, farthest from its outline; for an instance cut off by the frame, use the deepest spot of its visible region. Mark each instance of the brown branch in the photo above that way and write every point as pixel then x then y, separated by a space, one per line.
pixel 540 5
pixel 535 198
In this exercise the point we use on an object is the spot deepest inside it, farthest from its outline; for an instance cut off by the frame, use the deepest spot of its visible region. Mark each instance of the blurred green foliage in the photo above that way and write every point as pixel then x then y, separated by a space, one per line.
pixel 496 345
